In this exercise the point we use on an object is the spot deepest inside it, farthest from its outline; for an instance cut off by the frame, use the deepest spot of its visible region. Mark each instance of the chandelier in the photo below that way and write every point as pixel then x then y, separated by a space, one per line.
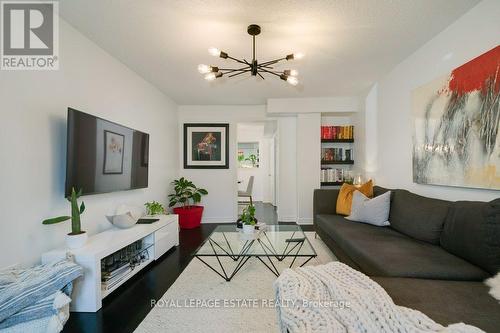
pixel 253 67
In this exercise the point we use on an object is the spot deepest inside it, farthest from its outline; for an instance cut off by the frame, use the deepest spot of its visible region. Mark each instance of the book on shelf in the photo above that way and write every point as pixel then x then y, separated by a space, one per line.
pixel 348 154
pixel 337 132
pixel 335 175
pixel 336 154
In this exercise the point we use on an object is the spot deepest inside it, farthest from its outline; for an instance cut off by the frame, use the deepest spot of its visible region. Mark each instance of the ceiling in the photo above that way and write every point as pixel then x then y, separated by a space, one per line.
pixel 349 44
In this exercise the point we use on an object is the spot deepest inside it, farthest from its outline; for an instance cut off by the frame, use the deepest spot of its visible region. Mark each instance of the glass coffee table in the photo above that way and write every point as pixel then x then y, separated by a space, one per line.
pixel 275 242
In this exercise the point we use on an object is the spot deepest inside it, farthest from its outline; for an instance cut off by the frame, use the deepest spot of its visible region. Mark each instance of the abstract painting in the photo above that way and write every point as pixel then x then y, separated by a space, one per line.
pixel 456 121
pixel 206 146
pixel 113 153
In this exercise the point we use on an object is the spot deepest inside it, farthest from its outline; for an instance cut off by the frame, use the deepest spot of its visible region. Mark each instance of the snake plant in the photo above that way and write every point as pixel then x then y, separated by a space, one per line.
pixel 76 226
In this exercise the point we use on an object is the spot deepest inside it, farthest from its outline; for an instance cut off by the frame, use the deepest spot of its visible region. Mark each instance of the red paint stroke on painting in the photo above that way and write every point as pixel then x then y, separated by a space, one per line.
pixel 474 75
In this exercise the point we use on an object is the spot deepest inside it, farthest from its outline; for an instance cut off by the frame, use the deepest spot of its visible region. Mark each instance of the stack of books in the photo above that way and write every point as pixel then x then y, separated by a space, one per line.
pixel 110 279
pixel 336 154
pixel 331 175
pixel 337 132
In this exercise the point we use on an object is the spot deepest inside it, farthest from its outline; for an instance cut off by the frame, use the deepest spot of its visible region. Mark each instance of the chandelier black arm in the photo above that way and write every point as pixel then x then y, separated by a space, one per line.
pixel 270 72
pixel 271 62
pixel 260 75
pixel 274 72
pixel 243 71
pixel 238 60
pixel 231 70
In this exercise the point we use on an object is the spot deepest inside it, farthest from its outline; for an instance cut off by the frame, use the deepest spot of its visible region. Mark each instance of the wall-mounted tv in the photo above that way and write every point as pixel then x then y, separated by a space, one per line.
pixel 103 156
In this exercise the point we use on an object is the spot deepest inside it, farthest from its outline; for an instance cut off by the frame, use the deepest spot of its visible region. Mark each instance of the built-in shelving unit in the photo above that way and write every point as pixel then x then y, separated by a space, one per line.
pixel 337 140
pixel 332 183
pixel 337 158
pixel 337 162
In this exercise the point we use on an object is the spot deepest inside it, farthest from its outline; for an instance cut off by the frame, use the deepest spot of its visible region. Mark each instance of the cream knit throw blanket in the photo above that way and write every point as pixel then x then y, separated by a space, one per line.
pixel 335 298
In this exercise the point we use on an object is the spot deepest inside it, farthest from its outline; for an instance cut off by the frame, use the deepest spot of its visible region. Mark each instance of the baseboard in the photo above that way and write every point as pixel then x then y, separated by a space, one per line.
pixel 287 218
pixel 305 220
pixel 218 220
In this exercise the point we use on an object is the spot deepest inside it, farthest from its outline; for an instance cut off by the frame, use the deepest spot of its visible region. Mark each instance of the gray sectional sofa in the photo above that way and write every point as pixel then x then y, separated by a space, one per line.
pixel 434 257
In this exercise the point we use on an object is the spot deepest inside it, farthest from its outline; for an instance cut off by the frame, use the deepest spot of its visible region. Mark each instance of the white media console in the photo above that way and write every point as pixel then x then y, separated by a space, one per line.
pixel 149 241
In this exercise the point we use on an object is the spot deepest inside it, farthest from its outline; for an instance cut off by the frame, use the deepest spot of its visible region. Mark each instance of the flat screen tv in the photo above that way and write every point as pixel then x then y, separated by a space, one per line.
pixel 103 156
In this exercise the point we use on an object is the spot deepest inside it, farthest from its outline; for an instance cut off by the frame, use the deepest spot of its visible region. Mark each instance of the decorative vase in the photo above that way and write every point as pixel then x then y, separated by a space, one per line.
pixel 248 228
pixel 76 241
pixel 189 217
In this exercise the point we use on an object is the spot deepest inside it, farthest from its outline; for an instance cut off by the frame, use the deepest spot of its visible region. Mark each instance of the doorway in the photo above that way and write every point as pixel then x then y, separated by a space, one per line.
pixel 256 169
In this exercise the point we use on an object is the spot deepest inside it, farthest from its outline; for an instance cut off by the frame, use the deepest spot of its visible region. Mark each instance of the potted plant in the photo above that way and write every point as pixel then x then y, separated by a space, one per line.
pixel 154 208
pixel 241 159
pixel 76 238
pixel 252 158
pixel 187 194
pixel 248 219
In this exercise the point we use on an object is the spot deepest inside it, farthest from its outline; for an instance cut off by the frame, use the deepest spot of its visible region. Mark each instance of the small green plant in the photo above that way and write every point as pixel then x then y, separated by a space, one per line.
pixel 185 193
pixel 76 226
pixel 248 215
pixel 252 158
pixel 154 208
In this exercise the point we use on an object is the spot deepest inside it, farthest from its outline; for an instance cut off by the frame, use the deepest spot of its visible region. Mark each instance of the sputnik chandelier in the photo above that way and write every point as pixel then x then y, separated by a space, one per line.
pixel 254 67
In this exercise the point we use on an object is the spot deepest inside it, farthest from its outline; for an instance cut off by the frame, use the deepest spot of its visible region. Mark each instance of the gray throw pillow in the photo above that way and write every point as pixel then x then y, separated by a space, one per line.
pixel 372 211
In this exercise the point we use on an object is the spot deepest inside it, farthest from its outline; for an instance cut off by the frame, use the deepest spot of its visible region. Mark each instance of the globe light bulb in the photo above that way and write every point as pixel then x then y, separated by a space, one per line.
pixel 294 72
pixel 210 76
pixel 298 55
pixel 204 69
pixel 214 51
pixel 292 80
pixel 213 75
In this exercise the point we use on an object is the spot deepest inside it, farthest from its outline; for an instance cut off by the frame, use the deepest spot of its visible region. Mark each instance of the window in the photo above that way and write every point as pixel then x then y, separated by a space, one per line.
pixel 248 154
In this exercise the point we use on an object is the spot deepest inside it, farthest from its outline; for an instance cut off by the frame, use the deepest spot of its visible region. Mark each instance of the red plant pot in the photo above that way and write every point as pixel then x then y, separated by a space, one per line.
pixel 189 217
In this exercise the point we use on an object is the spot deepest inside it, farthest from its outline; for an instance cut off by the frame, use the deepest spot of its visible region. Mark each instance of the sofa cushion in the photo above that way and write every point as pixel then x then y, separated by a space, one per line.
pixel 372 211
pixel 418 217
pixel 344 200
pixel 386 252
pixel 472 232
pixel 446 302
pixel 378 190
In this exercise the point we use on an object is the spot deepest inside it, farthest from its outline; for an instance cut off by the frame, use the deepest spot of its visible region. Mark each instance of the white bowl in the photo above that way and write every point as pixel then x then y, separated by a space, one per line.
pixel 122 221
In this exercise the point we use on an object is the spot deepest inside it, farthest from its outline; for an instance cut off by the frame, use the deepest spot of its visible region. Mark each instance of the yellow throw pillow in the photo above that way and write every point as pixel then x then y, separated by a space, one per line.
pixel 344 200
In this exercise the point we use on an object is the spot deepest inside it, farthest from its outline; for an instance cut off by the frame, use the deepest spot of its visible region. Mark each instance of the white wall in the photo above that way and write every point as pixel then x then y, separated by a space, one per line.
pixel 471 35
pixel 313 105
pixel 266 172
pixel 308 164
pixel 33 143
pixel 370 135
pixel 287 169
pixel 221 184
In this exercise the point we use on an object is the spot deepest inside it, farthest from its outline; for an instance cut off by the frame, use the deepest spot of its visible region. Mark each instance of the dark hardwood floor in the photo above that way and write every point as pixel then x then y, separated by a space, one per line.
pixel 124 309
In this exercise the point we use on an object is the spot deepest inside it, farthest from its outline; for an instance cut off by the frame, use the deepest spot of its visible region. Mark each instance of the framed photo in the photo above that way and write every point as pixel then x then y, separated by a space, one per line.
pixel 206 146
pixel 114 144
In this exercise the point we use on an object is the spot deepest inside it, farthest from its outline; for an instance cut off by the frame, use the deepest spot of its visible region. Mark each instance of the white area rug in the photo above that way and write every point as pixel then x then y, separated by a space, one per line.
pixel 245 304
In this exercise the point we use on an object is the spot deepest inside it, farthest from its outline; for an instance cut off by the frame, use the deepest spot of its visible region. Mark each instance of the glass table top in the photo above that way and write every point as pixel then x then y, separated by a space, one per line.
pixel 275 240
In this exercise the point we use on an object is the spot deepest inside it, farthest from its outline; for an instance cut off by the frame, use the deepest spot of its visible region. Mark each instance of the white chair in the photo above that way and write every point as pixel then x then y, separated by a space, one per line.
pixel 248 192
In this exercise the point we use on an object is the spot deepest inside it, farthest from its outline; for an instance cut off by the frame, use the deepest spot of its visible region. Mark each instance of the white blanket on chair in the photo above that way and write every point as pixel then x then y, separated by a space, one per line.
pixel 335 298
